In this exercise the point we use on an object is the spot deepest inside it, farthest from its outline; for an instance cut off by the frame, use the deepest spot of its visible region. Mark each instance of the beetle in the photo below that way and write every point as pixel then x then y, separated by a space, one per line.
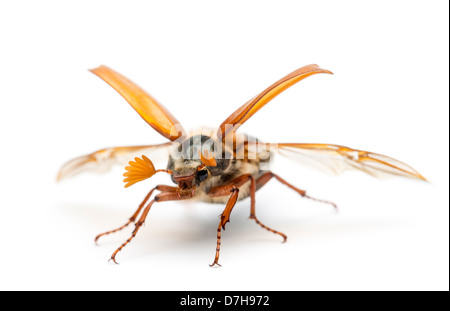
pixel 217 165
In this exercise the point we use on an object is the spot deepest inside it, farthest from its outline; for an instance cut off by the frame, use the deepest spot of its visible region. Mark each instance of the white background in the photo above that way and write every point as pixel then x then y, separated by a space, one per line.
pixel 202 60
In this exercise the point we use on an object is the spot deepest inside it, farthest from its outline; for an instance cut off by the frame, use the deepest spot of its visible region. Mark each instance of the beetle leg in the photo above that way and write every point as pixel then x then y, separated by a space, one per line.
pixel 260 182
pixel 253 188
pixel 264 178
pixel 254 185
pixel 136 214
pixel 224 218
pixel 233 189
pixel 171 195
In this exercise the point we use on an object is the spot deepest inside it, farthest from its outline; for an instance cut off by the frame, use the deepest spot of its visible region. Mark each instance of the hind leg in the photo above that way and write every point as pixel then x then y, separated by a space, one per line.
pixel 264 179
pixel 259 183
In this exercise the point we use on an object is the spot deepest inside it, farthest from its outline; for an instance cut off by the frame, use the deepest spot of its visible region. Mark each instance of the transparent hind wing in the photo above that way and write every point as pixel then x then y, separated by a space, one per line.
pixel 336 159
pixel 103 160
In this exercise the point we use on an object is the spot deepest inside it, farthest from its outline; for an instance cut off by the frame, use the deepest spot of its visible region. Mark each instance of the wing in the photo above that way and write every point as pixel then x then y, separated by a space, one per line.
pixel 245 112
pixel 103 160
pixel 335 159
pixel 148 108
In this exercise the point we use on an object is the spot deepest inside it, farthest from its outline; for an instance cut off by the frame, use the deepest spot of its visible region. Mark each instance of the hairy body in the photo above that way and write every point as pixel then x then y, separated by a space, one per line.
pixel 229 167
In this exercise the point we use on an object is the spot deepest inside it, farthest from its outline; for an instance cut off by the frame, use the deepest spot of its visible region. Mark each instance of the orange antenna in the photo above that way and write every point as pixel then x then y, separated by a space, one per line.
pixel 139 170
pixel 208 159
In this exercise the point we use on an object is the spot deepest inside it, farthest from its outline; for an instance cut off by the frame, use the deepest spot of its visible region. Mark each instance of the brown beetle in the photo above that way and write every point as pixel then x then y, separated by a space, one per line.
pixel 217 166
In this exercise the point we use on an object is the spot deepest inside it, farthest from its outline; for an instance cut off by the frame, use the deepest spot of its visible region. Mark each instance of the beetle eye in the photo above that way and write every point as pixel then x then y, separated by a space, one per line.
pixel 202 175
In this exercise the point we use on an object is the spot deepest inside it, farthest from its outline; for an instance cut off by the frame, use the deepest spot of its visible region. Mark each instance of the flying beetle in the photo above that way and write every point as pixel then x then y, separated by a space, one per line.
pixel 218 165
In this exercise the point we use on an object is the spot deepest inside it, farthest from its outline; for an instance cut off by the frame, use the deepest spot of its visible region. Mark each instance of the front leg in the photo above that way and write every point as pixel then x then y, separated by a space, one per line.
pixel 233 189
pixel 138 211
pixel 224 218
pixel 170 195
